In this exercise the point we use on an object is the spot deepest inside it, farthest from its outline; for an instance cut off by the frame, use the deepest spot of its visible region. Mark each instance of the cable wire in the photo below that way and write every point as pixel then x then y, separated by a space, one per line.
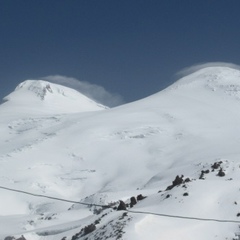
pixel 185 217
pixel 54 198
pixel 127 210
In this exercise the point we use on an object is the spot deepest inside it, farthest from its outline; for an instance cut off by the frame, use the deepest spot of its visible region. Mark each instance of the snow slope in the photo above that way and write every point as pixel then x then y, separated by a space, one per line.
pixel 190 129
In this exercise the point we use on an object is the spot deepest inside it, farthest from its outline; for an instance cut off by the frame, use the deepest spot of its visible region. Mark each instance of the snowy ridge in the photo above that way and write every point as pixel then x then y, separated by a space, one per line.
pixel 174 153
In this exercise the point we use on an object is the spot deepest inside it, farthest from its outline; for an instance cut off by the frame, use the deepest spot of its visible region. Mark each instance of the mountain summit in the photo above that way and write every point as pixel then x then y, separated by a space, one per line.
pixel 224 79
pixel 38 96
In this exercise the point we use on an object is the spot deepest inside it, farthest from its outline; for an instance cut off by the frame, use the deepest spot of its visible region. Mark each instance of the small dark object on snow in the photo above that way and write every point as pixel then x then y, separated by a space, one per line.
pixel 187 180
pixel 123 216
pixel 121 206
pixel 140 197
pixel 185 194
pixel 202 173
pixel 221 173
pixel 238 215
pixel 168 196
pixel 97 221
pixel 133 201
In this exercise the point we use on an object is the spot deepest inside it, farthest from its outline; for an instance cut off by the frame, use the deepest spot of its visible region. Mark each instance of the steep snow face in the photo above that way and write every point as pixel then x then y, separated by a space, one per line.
pixel 191 129
pixel 42 97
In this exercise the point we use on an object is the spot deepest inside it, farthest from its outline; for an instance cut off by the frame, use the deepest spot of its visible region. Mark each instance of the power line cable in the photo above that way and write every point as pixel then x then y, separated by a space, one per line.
pixel 54 198
pixel 130 211
pixel 185 217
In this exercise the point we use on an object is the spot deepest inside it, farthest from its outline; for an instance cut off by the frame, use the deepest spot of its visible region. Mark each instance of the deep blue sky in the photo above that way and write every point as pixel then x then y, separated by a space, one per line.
pixel 130 47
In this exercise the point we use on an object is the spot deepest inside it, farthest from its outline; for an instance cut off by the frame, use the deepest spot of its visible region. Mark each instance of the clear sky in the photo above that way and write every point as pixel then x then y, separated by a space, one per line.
pixel 129 47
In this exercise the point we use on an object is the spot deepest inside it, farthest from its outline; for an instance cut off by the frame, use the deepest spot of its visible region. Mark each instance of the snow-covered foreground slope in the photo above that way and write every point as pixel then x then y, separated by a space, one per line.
pixel 190 129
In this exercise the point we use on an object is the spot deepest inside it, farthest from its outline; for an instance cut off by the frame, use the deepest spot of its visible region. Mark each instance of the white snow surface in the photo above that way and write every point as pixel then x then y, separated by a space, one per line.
pixel 58 144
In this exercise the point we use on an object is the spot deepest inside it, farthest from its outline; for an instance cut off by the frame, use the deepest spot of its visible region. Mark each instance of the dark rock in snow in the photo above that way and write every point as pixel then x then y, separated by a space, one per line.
pixel 221 173
pixel 169 187
pixel 21 238
pixel 88 229
pixel 168 196
pixel 202 173
pixel 133 201
pixel 121 206
pixel 177 181
pixel 216 165
pixel 84 231
pixel 13 238
pixel 187 180
pixel 140 197
pixel 97 221
pixel 9 238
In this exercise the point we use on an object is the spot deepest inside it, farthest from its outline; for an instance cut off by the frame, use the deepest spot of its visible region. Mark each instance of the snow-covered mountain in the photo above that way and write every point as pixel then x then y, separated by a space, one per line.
pixel 42 97
pixel 67 150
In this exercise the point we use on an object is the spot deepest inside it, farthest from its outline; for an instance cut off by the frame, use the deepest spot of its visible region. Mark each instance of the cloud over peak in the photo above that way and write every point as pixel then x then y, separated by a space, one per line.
pixel 93 91
pixel 188 70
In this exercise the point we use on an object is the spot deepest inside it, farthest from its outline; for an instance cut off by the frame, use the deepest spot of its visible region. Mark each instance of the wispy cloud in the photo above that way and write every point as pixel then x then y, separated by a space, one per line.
pixel 93 91
pixel 188 70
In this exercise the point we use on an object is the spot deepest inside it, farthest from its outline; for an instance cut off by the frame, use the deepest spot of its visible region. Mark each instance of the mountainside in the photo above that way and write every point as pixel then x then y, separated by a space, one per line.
pixel 176 152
